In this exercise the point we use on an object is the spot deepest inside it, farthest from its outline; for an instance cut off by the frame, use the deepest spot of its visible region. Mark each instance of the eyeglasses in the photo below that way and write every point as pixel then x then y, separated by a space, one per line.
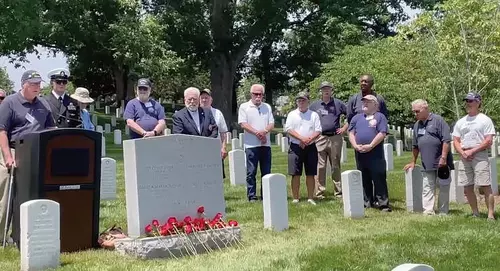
pixel 257 94
pixel 143 88
pixel 61 82
pixel 469 101
pixel 416 111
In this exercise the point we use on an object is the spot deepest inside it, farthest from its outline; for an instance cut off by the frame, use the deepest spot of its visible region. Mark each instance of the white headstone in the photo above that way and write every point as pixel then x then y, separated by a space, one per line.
pixel 107 128
pixel 91 108
pixel 127 130
pixel 235 133
pixel 352 194
pixel 275 203
pixel 97 103
pixel 117 137
pixel 161 184
pixel 343 155
pixel 118 113
pixel 113 121
pixel 494 175
pixel 284 144
pixel 456 191
pixel 494 147
pixel 108 178
pixel 399 147
pixel 237 168
pixel 39 239
pixel 103 147
pixel 94 119
pixel 235 144
pixel 280 136
pixel 167 131
pixel 389 157
pixel 414 186
pixel 228 138
pixel 242 140
pixel 99 129
pixel 106 110
pixel 413 267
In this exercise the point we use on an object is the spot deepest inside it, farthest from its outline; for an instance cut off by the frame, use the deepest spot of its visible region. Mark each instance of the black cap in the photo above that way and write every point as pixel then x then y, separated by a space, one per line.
pixel 31 76
pixel 443 172
pixel 207 91
pixel 144 82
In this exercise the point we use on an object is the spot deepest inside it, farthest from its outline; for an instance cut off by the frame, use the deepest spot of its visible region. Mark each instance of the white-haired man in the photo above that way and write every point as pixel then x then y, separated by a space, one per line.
pixel 256 119
pixel 431 138
pixel 193 119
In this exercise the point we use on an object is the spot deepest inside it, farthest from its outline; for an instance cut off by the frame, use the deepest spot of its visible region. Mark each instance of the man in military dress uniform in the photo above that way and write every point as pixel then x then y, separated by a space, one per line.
pixel 64 109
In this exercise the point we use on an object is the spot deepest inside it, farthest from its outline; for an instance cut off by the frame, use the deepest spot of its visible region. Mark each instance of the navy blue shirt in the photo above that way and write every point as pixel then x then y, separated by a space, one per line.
pixel 355 106
pixel 329 114
pixel 366 130
pixel 428 138
pixel 146 115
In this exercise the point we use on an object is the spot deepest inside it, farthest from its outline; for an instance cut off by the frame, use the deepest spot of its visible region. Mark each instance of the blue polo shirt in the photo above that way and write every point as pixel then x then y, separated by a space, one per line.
pixel 146 115
pixel 329 114
pixel 428 138
pixel 365 131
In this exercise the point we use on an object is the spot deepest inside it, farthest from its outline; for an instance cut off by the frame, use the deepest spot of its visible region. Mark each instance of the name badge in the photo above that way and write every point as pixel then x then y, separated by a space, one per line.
pixel 323 112
pixel 30 118
pixel 421 131
pixel 149 104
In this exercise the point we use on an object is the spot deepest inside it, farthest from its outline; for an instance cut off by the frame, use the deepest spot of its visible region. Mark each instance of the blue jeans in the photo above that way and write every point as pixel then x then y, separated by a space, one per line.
pixel 255 156
pixel 374 179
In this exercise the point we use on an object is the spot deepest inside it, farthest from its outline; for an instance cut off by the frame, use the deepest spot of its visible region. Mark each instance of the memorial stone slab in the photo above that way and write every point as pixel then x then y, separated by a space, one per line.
pixel 118 113
pixel 399 147
pixel 242 141
pixel 106 110
pixel 113 121
pixel 117 136
pixel 99 129
pixel 389 157
pixel 413 267
pixel 494 175
pixel 413 188
pixel 235 144
pixel 107 128
pixel 103 146
pixel 284 144
pixel 343 155
pixel 237 168
pixel 189 175
pixel 456 191
pixel 94 120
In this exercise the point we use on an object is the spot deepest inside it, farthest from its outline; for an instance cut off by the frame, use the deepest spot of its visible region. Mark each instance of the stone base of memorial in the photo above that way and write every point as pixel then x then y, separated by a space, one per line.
pixel 174 246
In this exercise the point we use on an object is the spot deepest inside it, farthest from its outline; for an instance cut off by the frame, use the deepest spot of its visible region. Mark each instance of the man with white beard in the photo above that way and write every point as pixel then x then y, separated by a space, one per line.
pixel 144 116
pixel 193 119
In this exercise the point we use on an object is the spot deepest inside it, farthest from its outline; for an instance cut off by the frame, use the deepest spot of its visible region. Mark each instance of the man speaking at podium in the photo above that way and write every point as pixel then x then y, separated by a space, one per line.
pixel 20 114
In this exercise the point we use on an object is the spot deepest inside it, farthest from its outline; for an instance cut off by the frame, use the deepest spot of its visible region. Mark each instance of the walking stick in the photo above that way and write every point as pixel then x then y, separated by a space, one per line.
pixel 8 213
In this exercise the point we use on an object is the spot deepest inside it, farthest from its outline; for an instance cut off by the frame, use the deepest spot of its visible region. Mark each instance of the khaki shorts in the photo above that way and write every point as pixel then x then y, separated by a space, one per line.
pixel 475 172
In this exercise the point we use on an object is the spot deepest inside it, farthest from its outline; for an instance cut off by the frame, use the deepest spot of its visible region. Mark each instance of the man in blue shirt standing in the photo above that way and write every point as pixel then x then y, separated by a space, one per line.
pixel 354 105
pixel 367 131
pixel 144 116
pixel 329 143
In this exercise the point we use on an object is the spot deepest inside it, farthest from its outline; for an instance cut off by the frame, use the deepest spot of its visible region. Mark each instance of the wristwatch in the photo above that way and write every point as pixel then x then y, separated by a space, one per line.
pixel 155 132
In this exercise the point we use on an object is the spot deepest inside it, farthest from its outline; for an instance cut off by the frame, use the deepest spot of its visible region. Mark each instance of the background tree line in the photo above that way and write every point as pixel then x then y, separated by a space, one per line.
pixel 288 45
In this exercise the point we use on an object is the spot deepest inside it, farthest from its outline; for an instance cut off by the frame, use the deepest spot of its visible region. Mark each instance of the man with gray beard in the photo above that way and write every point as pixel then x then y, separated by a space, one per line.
pixel 144 116
pixel 193 119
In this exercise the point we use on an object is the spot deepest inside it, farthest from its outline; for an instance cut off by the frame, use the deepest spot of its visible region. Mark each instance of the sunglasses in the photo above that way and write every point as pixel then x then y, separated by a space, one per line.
pixel 416 111
pixel 257 94
pixel 61 82
pixel 469 101
pixel 143 88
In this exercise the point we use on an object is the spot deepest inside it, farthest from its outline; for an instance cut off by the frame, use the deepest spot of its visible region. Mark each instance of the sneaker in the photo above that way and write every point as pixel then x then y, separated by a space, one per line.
pixel 311 201
pixel 429 213
pixel 295 201
pixel 320 197
pixel 386 209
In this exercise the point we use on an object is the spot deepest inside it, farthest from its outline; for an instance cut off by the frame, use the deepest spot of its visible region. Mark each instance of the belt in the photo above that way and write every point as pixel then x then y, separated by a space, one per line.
pixel 329 134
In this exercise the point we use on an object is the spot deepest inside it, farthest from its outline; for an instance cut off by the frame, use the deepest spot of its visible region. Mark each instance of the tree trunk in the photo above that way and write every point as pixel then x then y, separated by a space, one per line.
pixel 222 79
pixel 120 85
pixel 265 58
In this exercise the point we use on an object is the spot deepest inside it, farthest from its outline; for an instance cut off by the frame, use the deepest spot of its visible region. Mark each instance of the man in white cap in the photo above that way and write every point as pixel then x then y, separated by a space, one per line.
pixel 82 96
pixel 64 109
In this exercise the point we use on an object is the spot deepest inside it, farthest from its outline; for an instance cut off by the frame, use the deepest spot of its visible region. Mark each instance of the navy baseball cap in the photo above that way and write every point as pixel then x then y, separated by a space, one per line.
pixel 144 82
pixel 31 76
pixel 471 96
pixel 443 173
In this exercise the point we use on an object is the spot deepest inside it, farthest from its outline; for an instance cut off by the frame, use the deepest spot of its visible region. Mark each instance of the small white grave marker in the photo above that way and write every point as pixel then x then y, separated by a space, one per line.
pixel 235 144
pixel 389 157
pixel 456 191
pixel 414 184
pixel 399 147
pixel 343 155
pixel 284 144
pixel 108 178
pixel 127 130
pixel 275 202
pixel 352 194
pixel 413 267
pixel 94 119
pixel 113 121
pixel 39 242
pixel 118 137
pixel 99 129
pixel 91 108
pixel 167 131
pixel 106 110
pixel 118 113
pixel 237 169
pixel 242 140
pixel 103 147
pixel 494 175
pixel 228 138
pixel 107 128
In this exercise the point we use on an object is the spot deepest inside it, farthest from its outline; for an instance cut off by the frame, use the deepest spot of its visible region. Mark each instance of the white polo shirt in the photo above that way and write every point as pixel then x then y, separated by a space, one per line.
pixel 219 120
pixel 305 124
pixel 472 130
pixel 258 117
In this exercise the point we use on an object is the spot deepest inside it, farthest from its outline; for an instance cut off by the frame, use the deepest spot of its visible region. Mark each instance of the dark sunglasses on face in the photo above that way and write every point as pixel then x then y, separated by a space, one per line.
pixel 257 94
pixel 143 88
pixel 469 101
pixel 416 111
pixel 61 82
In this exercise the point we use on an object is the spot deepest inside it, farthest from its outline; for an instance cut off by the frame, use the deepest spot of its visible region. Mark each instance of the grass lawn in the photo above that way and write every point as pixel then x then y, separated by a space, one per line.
pixel 319 238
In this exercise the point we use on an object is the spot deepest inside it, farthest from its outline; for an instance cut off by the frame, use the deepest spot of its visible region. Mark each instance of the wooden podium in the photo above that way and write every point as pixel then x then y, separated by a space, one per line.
pixel 63 165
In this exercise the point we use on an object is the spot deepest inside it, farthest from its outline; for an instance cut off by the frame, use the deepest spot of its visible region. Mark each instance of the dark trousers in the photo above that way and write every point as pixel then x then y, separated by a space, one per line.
pixel 223 171
pixel 255 156
pixel 374 177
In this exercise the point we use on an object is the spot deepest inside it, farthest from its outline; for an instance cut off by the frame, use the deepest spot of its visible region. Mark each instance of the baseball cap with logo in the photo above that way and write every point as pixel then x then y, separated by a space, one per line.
pixel 471 96
pixel 207 91
pixel 144 82
pixel 325 84
pixel 369 98
pixel 302 95
pixel 31 76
